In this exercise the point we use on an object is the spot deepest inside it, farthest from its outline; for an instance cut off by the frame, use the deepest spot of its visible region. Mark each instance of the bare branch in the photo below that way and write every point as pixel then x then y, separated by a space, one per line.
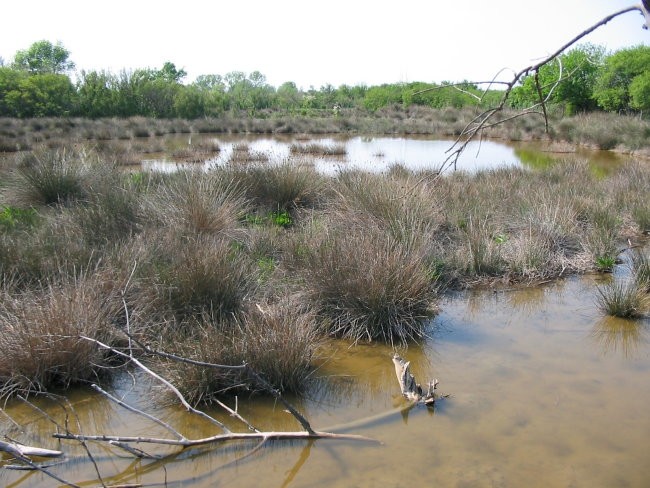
pixel 481 121
pixel 164 381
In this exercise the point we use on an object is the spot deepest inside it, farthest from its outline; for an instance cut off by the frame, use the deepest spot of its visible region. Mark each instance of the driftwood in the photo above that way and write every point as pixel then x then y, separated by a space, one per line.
pixel 19 450
pixel 411 390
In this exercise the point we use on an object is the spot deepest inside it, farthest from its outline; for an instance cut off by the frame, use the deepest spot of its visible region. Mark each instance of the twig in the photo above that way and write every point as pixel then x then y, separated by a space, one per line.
pixel 164 381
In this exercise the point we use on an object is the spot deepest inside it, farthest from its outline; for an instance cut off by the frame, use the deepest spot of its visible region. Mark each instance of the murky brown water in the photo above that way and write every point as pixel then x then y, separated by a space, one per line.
pixel 545 392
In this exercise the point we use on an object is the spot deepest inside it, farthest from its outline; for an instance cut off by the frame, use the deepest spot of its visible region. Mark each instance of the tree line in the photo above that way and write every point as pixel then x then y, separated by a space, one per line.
pixel 38 83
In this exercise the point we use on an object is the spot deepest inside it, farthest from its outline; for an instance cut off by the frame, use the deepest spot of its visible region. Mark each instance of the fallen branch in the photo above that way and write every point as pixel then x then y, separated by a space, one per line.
pixel 216 439
pixel 19 450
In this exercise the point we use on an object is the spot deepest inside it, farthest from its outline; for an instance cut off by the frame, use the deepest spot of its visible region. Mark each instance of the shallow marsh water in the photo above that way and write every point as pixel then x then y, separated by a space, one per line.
pixel 544 391
pixel 376 154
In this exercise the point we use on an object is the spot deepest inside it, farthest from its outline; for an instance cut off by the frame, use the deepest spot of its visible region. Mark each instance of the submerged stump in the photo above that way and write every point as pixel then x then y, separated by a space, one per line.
pixel 411 390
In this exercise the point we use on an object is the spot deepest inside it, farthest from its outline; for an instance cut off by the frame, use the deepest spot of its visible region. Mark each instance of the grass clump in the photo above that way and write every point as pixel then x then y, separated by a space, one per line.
pixel 51 177
pixel 40 334
pixel 278 341
pixel 371 286
pixel 198 203
pixel 621 299
pixel 201 275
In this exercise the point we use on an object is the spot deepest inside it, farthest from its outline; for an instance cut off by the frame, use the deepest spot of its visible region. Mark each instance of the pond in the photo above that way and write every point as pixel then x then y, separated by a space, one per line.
pixel 375 154
pixel 543 391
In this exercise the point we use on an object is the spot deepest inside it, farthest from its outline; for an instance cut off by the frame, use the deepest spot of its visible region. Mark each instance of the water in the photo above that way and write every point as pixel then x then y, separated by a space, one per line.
pixel 378 154
pixel 544 391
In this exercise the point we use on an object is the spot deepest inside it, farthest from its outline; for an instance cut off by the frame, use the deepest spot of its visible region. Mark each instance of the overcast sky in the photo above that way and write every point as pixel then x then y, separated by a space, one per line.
pixel 313 43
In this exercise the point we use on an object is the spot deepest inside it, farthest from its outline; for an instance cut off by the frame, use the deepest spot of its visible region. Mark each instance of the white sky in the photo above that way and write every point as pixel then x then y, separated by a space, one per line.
pixel 318 42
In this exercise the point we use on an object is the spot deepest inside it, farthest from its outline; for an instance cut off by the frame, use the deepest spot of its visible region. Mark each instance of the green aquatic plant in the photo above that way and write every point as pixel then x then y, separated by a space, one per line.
pixel 605 264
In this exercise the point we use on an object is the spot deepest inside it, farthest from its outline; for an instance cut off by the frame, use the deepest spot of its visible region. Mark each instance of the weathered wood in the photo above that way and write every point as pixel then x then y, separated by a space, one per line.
pixel 411 390
pixel 20 450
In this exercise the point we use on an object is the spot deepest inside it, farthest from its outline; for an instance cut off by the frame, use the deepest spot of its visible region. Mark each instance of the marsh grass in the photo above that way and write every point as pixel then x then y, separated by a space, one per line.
pixel 371 286
pixel 196 202
pixel 640 265
pixel 622 299
pixel 369 254
pixel 285 187
pixel 203 274
pixel 40 334
pixel 316 149
pixel 278 340
pixel 51 178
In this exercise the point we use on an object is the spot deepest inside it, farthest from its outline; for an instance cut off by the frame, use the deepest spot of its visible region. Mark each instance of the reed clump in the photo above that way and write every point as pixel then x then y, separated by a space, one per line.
pixel 370 286
pixel 622 299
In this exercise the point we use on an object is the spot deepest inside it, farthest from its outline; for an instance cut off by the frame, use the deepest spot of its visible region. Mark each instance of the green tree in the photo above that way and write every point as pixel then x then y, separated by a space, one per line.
pixel 288 96
pixel 381 96
pixel 42 95
pixel 210 82
pixel 10 80
pixel 612 90
pixel 640 92
pixel 97 94
pixel 189 102
pixel 567 81
pixel 44 57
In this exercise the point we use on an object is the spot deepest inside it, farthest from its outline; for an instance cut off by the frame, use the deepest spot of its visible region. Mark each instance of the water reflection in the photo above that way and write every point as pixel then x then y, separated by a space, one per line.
pixel 617 334
pixel 528 381
pixel 377 154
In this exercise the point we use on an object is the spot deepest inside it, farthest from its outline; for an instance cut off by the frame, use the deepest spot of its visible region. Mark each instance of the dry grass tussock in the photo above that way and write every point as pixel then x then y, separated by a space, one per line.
pixel 40 334
pixel 198 202
pixel 370 286
pixel 278 340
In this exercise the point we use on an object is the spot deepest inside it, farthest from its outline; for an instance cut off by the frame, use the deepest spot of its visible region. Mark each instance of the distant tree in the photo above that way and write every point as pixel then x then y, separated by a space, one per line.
pixel 288 96
pixel 613 88
pixel 210 82
pixel 381 96
pixel 190 102
pixel 44 57
pixel 569 81
pixel 170 73
pixel 97 94
pixel 40 95
pixel 640 92
pixel 10 80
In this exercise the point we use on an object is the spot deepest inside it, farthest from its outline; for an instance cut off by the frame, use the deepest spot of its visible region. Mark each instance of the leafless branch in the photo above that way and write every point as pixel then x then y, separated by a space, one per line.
pixel 483 121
